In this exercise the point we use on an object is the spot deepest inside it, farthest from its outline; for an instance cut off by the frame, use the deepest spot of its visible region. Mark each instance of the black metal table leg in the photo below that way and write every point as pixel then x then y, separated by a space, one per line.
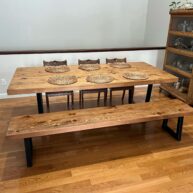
pixel 40 103
pixel 178 134
pixel 28 151
pixel 131 94
pixel 149 91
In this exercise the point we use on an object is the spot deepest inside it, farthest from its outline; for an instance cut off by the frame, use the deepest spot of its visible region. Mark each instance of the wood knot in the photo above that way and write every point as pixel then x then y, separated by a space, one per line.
pixel 26 116
pixel 72 113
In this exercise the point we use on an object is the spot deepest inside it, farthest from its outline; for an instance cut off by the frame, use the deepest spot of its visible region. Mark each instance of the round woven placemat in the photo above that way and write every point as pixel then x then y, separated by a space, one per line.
pixel 89 67
pixel 120 65
pixel 62 80
pixel 57 69
pixel 100 79
pixel 136 76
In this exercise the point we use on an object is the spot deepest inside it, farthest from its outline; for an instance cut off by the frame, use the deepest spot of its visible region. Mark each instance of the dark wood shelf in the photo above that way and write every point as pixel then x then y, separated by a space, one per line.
pixel 178 71
pixel 174 92
pixel 182 34
pixel 180 52
pixel 173 54
pixel 182 12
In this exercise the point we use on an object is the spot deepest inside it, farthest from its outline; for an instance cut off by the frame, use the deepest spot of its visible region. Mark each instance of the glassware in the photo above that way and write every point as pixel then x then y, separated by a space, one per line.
pixel 179 43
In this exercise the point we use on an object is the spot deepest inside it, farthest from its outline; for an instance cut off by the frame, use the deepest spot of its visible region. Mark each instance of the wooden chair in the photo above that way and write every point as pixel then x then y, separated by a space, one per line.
pixel 130 88
pixel 62 93
pixel 99 91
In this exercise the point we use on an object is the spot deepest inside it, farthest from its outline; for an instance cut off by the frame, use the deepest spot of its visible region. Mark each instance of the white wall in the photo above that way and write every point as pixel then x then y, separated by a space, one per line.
pixel 14 18
pixel 9 63
pixel 157 23
pixel 71 24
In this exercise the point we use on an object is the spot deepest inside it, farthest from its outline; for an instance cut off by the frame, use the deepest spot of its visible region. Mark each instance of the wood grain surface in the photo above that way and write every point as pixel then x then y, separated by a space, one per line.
pixel 93 118
pixel 138 158
pixel 34 79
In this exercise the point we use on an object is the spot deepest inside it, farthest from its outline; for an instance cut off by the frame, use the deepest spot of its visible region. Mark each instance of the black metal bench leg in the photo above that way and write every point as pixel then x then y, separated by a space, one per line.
pixel 149 91
pixel 28 151
pixel 40 103
pixel 178 134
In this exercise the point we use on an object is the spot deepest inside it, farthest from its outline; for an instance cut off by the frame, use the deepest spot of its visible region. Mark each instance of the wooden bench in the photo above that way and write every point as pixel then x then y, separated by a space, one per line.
pixel 29 126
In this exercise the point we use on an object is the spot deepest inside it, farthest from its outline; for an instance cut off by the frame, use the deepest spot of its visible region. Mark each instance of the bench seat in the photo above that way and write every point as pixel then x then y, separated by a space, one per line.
pixel 37 125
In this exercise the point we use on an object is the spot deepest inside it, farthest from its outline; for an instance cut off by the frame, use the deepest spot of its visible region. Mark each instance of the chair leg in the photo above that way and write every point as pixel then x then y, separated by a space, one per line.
pixel 47 103
pixel 105 97
pixel 111 97
pixel 82 100
pixel 123 96
pixel 178 134
pixel 68 102
pixel 131 94
pixel 98 98
pixel 72 100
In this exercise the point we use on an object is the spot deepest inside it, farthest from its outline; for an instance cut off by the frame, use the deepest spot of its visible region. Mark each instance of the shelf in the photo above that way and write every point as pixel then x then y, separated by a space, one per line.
pixel 182 12
pixel 178 71
pixel 183 34
pixel 180 52
pixel 173 54
pixel 174 92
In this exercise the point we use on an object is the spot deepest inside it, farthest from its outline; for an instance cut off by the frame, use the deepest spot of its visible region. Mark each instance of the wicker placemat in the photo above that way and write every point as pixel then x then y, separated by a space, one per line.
pixel 136 76
pixel 89 67
pixel 120 65
pixel 100 79
pixel 57 69
pixel 62 80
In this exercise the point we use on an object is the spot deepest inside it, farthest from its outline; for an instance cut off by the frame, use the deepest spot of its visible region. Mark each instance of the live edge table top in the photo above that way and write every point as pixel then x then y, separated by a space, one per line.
pixel 29 80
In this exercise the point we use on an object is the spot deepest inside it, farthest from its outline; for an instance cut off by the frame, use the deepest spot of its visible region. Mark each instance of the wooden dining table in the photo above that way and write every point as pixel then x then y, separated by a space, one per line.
pixel 29 80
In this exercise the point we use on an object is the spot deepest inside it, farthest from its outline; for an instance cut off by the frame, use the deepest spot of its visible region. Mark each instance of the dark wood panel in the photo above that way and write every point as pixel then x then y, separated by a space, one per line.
pixel 78 50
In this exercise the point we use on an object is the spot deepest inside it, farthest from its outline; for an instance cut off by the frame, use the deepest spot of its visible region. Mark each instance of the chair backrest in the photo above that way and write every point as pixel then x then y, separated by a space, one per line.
pixel 89 61
pixel 115 60
pixel 55 63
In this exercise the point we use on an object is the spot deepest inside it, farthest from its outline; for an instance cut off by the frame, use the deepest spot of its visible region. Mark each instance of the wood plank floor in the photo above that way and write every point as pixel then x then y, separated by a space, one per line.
pixel 126 159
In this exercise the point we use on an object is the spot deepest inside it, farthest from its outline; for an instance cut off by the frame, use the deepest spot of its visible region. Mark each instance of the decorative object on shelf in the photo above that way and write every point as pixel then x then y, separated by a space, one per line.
pixel 183 85
pixel 183 26
pixel 177 85
pixel 182 65
pixel 174 5
pixel 191 67
pixel 120 65
pixel 187 5
pixel 179 43
pixel 62 80
pixel 190 27
pixel 57 69
pixel 136 76
pixel 191 44
pixel 89 67
pixel 100 79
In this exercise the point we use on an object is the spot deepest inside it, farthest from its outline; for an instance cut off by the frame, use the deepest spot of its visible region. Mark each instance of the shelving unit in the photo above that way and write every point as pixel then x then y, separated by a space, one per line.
pixel 179 56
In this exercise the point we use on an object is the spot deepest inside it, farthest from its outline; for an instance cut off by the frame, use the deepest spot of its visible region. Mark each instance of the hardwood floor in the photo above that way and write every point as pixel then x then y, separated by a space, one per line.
pixel 126 159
